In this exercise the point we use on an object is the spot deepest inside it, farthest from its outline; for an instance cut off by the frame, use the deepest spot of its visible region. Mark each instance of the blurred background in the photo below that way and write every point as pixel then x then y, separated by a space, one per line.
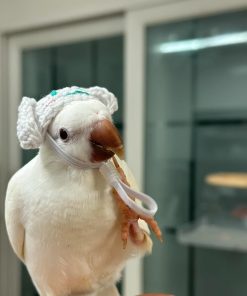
pixel 179 70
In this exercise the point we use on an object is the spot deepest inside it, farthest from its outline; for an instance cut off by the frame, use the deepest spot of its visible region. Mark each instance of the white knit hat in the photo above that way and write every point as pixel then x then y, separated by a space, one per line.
pixel 34 117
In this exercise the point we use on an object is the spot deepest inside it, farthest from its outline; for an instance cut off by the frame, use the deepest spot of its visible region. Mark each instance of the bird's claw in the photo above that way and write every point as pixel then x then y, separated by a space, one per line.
pixel 130 218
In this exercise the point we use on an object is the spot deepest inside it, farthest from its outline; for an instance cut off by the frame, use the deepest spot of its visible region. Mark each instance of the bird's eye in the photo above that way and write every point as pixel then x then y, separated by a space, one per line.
pixel 63 134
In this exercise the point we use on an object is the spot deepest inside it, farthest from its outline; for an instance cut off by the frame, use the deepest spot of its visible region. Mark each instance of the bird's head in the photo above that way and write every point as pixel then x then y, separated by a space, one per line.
pixel 84 129
pixel 75 119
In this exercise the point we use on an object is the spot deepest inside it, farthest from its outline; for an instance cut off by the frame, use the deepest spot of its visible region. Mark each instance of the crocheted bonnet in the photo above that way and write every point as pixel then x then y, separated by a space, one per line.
pixel 34 117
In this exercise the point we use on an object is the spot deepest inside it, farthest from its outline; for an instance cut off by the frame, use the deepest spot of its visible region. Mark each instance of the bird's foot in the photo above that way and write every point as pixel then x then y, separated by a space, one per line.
pixel 130 218
pixel 154 226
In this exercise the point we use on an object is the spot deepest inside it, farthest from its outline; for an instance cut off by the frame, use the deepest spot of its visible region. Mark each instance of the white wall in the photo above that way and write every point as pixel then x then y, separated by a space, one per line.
pixel 6 254
pixel 27 14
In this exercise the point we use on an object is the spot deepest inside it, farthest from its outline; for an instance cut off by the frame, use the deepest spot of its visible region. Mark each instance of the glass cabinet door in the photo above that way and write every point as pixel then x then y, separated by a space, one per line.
pixel 196 119
pixel 221 66
pixel 86 63
pixel 168 155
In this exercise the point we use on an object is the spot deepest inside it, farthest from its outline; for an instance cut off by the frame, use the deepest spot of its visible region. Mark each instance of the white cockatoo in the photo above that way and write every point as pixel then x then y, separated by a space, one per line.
pixel 63 222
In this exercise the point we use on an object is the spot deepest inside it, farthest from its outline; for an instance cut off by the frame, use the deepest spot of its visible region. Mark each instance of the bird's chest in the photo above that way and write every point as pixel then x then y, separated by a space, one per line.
pixel 72 214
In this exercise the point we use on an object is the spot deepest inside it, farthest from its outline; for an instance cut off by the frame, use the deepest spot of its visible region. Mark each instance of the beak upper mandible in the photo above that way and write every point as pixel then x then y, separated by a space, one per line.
pixel 105 141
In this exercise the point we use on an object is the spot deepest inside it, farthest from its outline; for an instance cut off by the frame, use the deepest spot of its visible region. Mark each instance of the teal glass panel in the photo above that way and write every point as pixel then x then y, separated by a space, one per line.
pixel 37 75
pixel 222 70
pixel 168 124
pixel 168 79
pixel 168 154
pixel 74 64
pixel 220 273
pixel 37 80
pixel 109 70
pixel 166 269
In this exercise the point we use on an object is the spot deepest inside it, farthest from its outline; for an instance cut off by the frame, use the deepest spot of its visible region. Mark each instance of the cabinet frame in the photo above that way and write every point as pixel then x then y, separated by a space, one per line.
pixel 135 78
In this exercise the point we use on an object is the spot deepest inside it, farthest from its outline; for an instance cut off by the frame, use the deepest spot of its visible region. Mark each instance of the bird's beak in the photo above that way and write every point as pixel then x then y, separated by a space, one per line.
pixel 105 141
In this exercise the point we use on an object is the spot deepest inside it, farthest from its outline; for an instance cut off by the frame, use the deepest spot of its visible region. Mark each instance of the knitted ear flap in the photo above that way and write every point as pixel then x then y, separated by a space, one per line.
pixel 28 131
pixel 106 97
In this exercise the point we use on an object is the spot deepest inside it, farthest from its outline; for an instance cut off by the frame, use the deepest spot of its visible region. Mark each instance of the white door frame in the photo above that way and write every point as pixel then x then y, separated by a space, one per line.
pixel 135 78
